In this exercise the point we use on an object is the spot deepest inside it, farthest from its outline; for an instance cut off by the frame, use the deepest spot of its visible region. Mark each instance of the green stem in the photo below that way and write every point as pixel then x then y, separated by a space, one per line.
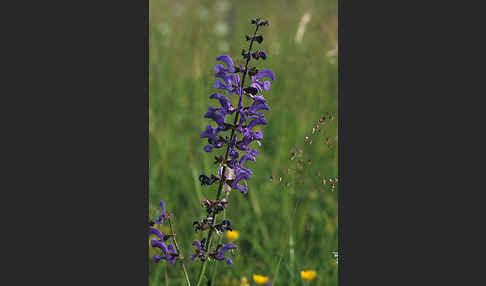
pixel 201 272
pixel 213 277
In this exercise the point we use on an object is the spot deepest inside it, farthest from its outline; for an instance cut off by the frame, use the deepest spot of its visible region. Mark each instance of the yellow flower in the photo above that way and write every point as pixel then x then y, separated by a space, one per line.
pixel 308 274
pixel 259 279
pixel 232 235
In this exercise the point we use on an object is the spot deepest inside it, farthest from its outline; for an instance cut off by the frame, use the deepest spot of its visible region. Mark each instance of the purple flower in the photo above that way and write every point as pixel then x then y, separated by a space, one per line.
pixel 248 137
pixel 162 216
pixel 257 121
pixel 258 84
pixel 216 114
pixel 211 133
pixel 250 155
pixel 219 255
pixel 228 61
pixel 227 79
pixel 265 73
pixel 241 173
pixel 169 252
pixel 154 231
pixel 199 253
pixel 225 102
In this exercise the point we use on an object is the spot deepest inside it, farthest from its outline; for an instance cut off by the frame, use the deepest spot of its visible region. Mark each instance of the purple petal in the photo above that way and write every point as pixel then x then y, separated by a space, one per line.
pixel 159 244
pixel 162 206
pixel 228 61
pixel 219 68
pixel 156 232
pixel 241 188
pixel 171 248
pixel 156 258
pixel 210 133
pixel 229 261
pixel 220 85
pixel 257 121
pixel 197 244
pixel 266 85
pixel 208 148
pixel 265 73
pixel 224 101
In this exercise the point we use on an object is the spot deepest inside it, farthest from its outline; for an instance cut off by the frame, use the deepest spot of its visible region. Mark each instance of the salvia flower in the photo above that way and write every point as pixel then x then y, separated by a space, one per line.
pixel 162 216
pixel 169 251
pixel 233 169
pixel 199 252
pixel 221 250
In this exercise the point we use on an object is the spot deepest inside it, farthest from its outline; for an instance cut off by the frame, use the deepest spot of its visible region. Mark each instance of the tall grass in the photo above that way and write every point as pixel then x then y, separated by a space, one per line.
pixel 185 39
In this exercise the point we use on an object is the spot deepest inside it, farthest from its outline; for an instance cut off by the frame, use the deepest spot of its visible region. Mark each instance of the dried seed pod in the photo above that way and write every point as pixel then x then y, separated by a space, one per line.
pixel 292 156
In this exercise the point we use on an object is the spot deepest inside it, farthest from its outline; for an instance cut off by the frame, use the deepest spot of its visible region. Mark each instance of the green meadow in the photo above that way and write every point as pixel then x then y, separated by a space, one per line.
pixel 288 221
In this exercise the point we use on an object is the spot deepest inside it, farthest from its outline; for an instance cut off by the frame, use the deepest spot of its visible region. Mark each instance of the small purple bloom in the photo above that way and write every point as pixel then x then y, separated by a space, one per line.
pixel 154 231
pixel 199 253
pixel 216 114
pixel 228 61
pixel 170 253
pixel 162 216
pixel 225 102
pixel 220 254
pixel 265 73
pixel 211 133
pixel 250 155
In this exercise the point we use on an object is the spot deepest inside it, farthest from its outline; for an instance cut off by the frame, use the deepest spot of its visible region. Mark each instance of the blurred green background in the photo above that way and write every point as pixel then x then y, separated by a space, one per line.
pixel 301 43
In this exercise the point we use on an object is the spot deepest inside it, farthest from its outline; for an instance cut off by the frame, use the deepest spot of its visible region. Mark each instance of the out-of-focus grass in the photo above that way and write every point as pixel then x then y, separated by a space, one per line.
pixel 185 39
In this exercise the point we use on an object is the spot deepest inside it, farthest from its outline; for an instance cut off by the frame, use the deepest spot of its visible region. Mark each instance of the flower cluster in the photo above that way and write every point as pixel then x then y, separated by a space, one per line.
pixel 230 79
pixel 217 254
pixel 168 250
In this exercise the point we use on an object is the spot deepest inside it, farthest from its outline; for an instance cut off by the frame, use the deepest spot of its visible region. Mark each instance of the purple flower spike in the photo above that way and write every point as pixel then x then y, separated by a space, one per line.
pixel 170 253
